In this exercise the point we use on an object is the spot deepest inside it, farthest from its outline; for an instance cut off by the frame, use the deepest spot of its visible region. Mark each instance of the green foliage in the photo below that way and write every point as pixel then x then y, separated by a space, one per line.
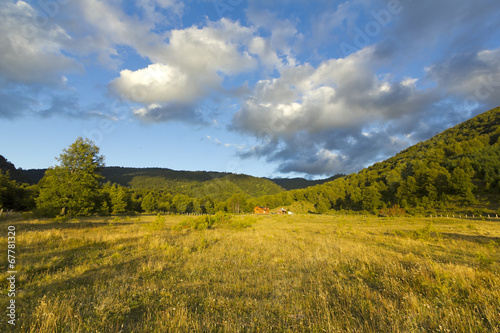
pixel 216 185
pixel 157 225
pixel 116 199
pixel 458 168
pixel 484 261
pixel 73 186
pixel 241 223
pixel 148 203
pixel 222 218
pixel 237 203
pixel 299 183
pixel 199 223
pixel 429 232
pixel 8 168
pixel 394 211
pixel 182 203
pixel 14 196
pixel 204 222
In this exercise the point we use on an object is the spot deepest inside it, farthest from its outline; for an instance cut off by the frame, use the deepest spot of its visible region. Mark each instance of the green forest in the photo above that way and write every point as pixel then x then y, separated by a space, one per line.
pixel 457 170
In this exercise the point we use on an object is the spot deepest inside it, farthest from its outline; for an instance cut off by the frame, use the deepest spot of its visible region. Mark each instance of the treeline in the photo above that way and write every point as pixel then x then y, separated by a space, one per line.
pixel 118 199
pixel 14 195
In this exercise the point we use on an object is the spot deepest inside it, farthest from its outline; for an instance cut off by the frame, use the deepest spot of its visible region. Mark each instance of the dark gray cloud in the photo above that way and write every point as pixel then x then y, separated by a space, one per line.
pixel 335 118
pixel 31 101
pixel 184 112
pixel 345 114
pixel 474 77
pixel 14 103
pixel 345 150
pixel 430 29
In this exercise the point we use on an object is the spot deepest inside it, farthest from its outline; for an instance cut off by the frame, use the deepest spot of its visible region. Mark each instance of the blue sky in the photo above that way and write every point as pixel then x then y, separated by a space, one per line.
pixel 273 89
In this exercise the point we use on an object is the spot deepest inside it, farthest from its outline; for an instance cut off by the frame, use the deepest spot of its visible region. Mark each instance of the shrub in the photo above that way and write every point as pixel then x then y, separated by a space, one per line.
pixel 393 211
pixel 239 223
pixel 199 223
pixel 58 219
pixel 244 223
pixel 484 261
pixel 158 224
pixel 222 217
pixel 204 222
pixel 184 224
pixel 427 233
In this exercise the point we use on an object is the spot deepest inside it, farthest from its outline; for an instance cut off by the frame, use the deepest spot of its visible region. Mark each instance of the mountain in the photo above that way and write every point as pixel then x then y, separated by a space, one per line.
pixel 298 183
pixel 457 169
pixel 192 183
pixel 14 174
pixel 34 175
pixel 195 184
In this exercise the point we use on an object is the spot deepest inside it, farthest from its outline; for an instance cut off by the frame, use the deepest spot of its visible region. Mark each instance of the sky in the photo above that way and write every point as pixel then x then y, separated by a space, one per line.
pixel 266 88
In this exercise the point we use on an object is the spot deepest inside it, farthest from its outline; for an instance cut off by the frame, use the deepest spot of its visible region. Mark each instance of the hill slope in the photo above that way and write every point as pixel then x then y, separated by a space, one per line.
pixel 192 183
pixel 298 183
pixel 14 174
pixel 458 168
pixel 195 184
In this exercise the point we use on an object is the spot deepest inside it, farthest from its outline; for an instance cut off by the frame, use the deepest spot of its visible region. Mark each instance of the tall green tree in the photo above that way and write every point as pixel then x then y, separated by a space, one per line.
pixel 372 199
pixel 72 187
pixel 149 203
pixel 237 203
pixel 118 199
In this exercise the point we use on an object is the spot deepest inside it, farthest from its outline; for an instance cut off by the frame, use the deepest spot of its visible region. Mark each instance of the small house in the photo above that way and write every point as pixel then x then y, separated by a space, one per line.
pixel 261 210
pixel 281 211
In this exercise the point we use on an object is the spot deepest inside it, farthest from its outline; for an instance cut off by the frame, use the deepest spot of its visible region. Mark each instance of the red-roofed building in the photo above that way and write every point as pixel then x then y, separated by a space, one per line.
pixel 261 210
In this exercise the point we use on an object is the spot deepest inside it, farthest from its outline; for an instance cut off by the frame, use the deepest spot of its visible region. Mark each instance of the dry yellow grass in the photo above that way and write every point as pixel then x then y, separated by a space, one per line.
pixel 306 273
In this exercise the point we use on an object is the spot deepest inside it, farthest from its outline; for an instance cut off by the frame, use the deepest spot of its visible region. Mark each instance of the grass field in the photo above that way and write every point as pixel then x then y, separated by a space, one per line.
pixel 300 273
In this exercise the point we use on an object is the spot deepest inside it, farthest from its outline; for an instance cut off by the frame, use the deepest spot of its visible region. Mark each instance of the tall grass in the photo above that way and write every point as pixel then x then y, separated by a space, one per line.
pixel 308 273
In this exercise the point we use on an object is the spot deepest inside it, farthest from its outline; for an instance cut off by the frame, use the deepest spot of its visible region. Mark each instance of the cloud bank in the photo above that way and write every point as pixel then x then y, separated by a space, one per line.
pixel 313 106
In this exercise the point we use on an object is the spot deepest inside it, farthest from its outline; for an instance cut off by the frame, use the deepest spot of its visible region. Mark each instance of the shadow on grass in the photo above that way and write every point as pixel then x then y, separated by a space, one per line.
pixel 66 258
pixel 91 276
pixel 470 238
pixel 65 225
pixel 136 304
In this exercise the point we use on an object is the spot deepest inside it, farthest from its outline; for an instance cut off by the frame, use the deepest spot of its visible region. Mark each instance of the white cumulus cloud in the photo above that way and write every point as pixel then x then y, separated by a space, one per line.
pixel 192 64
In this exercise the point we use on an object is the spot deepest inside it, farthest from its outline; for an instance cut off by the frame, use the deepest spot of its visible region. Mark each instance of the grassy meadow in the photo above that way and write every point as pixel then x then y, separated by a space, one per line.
pixel 299 273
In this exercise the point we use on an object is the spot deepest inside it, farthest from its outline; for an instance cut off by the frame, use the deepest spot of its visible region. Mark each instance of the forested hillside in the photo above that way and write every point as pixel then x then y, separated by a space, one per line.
pixel 297 183
pixel 8 168
pixel 456 169
pixel 195 184
pixel 13 194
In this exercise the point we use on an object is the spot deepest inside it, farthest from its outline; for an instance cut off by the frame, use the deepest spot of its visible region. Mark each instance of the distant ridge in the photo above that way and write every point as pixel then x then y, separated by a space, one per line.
pixel 298 183
pixel 143 178
pixel 15 174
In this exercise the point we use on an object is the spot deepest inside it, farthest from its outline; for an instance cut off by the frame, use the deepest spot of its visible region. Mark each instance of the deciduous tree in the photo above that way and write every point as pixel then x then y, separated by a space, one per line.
pixel 72 187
